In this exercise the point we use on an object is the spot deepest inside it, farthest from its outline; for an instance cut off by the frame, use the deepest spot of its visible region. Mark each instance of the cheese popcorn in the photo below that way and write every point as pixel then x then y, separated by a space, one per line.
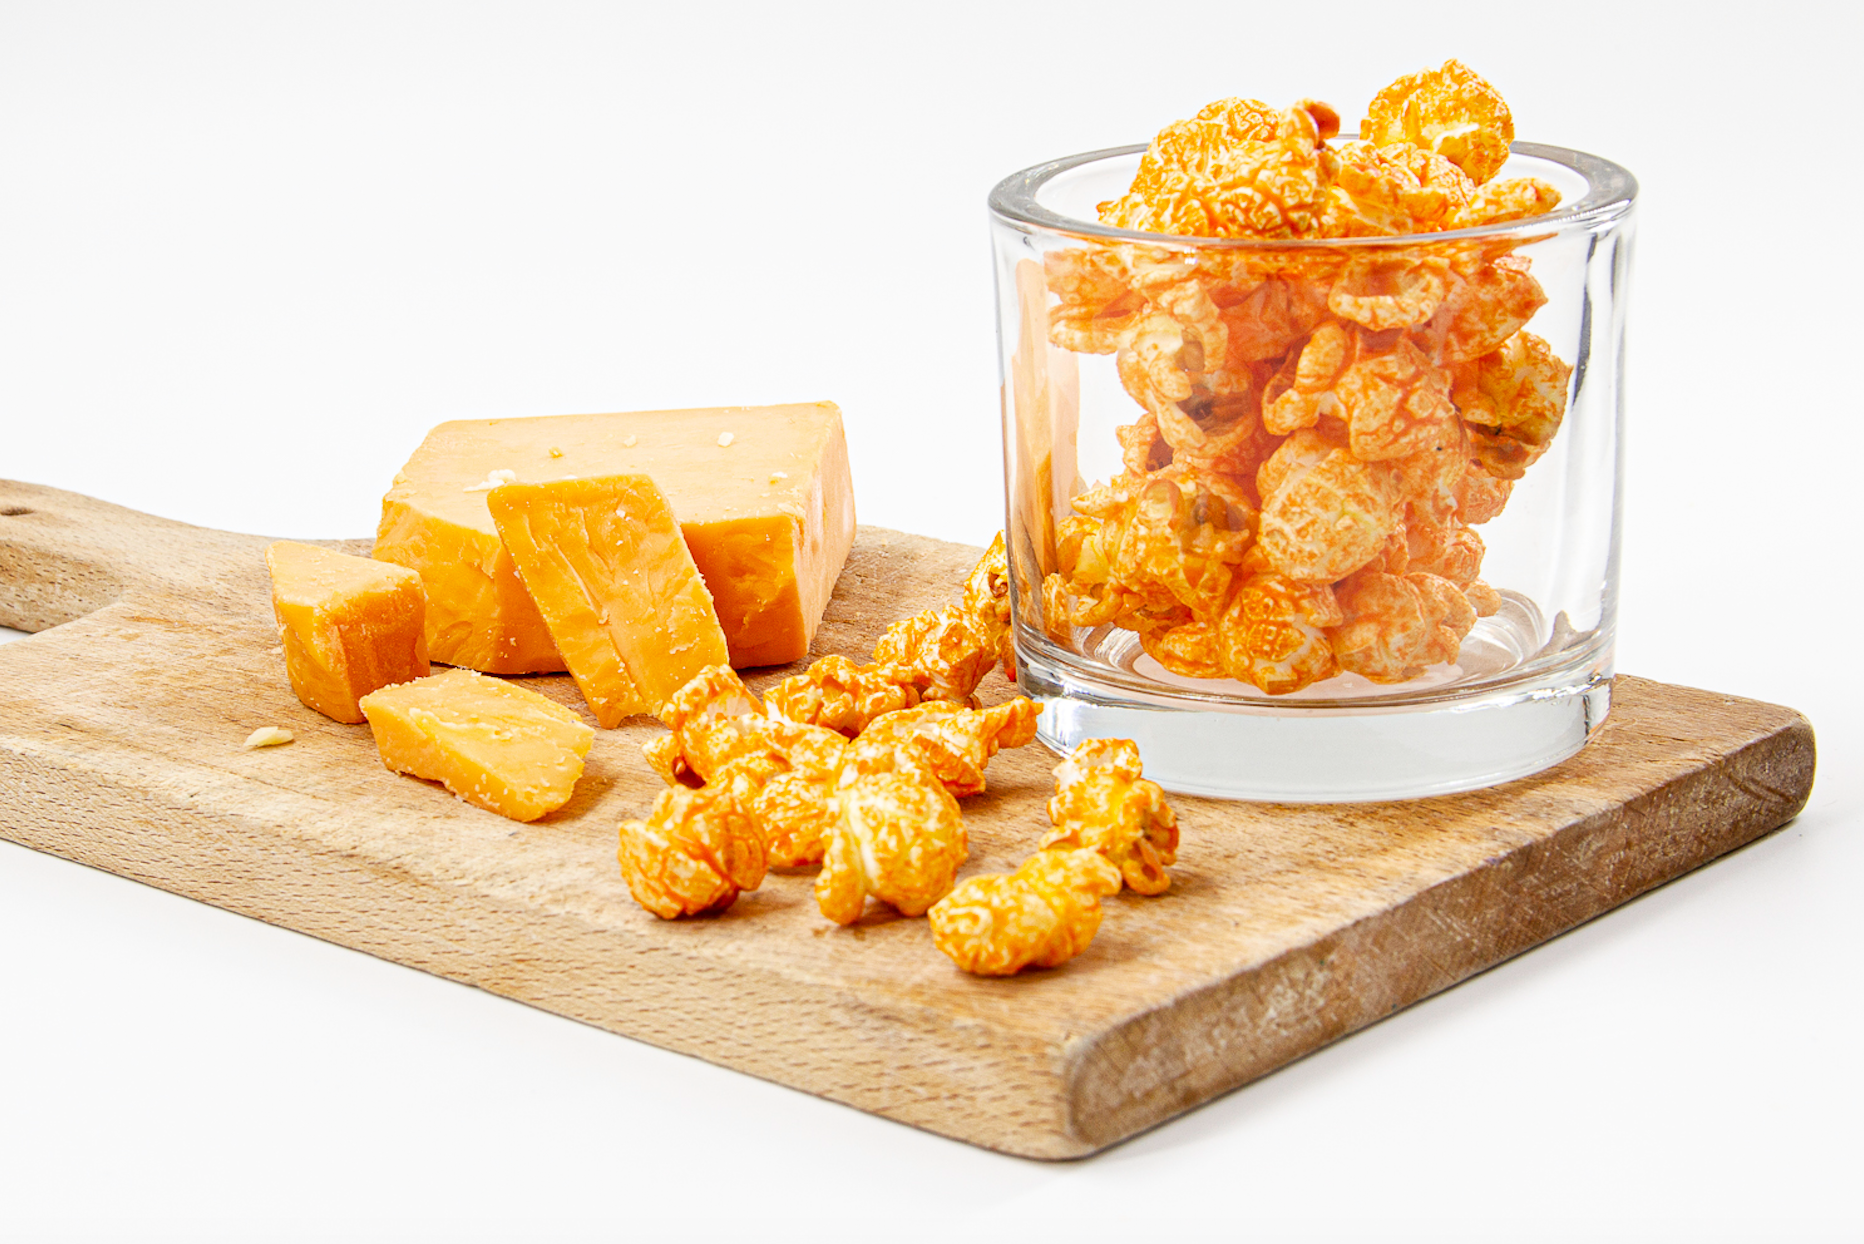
pixel 1042 915
pixel 956 743
pixel 937 655
pixel 1308 418
pixel 695 852
pixel 845 697
pixel 1103 804
pixel 897 836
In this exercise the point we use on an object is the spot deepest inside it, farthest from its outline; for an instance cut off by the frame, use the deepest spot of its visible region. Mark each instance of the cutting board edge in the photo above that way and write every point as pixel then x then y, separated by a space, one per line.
pixel 1096 1066
pixel 913 1074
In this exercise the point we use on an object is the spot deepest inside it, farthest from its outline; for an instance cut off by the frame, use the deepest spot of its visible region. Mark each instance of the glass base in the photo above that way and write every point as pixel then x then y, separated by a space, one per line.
pixel 1335 754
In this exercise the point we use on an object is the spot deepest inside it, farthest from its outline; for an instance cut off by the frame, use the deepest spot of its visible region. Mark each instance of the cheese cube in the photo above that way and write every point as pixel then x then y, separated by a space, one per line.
pixel 604 561
pixel 348 624
pixel 495 744
pixel 763 496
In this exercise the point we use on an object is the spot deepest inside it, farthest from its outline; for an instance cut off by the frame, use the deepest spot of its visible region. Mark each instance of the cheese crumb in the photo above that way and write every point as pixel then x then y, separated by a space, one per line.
pixel 555 452
pixel 268 736
pixel 725 439
pixel 627 442
pixel 778 475
pixel 493 480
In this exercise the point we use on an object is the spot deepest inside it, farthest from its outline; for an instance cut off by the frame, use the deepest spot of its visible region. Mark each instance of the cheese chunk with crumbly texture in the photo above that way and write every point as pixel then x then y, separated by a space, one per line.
pixel 495 744
pixel 348 624
pixel 604 561
pixel 763 496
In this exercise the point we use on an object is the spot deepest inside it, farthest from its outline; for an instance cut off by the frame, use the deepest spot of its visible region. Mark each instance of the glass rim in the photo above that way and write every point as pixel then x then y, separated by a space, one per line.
pixel 1611 191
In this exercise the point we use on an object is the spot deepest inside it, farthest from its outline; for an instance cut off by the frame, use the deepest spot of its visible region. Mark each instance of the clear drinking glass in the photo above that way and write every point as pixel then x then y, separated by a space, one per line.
pixel 1132 559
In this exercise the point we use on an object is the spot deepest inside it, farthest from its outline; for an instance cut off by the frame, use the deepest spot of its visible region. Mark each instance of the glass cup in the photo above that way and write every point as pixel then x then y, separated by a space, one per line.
pixel 1315 521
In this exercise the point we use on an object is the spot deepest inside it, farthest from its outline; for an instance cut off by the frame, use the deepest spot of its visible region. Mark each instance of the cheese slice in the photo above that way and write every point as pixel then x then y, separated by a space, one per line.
pixel 606 565
pixel 495 744
pixel 348 625
pixel 763 496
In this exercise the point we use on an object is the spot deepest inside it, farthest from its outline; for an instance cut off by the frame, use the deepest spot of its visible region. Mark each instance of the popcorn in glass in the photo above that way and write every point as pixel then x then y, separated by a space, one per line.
pixel 1322 502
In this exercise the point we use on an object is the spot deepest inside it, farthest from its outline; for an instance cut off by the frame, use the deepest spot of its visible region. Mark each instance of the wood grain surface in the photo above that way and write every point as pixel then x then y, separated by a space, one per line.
pixel 1287 927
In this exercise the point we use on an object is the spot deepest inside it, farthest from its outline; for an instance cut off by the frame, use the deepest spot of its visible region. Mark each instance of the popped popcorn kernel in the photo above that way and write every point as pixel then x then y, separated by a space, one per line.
pixel 1450 111
pixel 710 719
pixel 1385 190
pixel 987 599
pixel 1399 625
pixel 1275 634
pixel 1104 803
pixel 696 851
pixel 1512 401
pixel 945 653
pixel 1042 915
pixel 1325 513
pixel 955 743
pixel 898 836
pixel 1196 179
pixel 836 693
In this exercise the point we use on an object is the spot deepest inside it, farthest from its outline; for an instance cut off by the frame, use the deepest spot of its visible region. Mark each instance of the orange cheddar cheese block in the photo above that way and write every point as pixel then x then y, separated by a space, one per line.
pixel 606 565
pixel 348 625
pixel 762 493
pixel 495 744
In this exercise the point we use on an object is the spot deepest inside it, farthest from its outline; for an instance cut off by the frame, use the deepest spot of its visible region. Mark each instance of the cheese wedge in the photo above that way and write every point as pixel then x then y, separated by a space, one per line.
pixel 348 625
pixel 606 565
pixel 495 744
pixel 763 496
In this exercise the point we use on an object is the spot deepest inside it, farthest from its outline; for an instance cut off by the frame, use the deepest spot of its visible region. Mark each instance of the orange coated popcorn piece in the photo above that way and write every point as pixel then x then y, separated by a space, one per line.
pixel 695 852
pixel 1515 199
pixel 1394 402
pixel 1429 476
pixel 1097 301
pixel 1450 111
pixel 1187 648
pixel 1169 538
pixel 943 652
pixel 1389 291
pixel 1268 317
pixel 1399 625
pixel 836 693
pixel 1298 400
pixel 1513 400
pixel 1042 915
pixel 795 778
pixel 1480 496
pixel 1103 803
pixel 1195 180
pixel 1274 634
pixel 1251 120
pixel 898 836
pixel 784 771
pixel 953 742
pixel 709 719
pixel 1485 308
pixel 1385 190
pixel 1325 513
pixel 987 599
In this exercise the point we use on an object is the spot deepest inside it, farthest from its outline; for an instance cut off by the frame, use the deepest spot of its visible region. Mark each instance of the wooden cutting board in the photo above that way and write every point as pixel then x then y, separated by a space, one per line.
pixel 1286 927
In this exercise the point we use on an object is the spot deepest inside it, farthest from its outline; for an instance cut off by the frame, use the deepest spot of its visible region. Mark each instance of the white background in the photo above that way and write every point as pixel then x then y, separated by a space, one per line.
pixel 249 253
